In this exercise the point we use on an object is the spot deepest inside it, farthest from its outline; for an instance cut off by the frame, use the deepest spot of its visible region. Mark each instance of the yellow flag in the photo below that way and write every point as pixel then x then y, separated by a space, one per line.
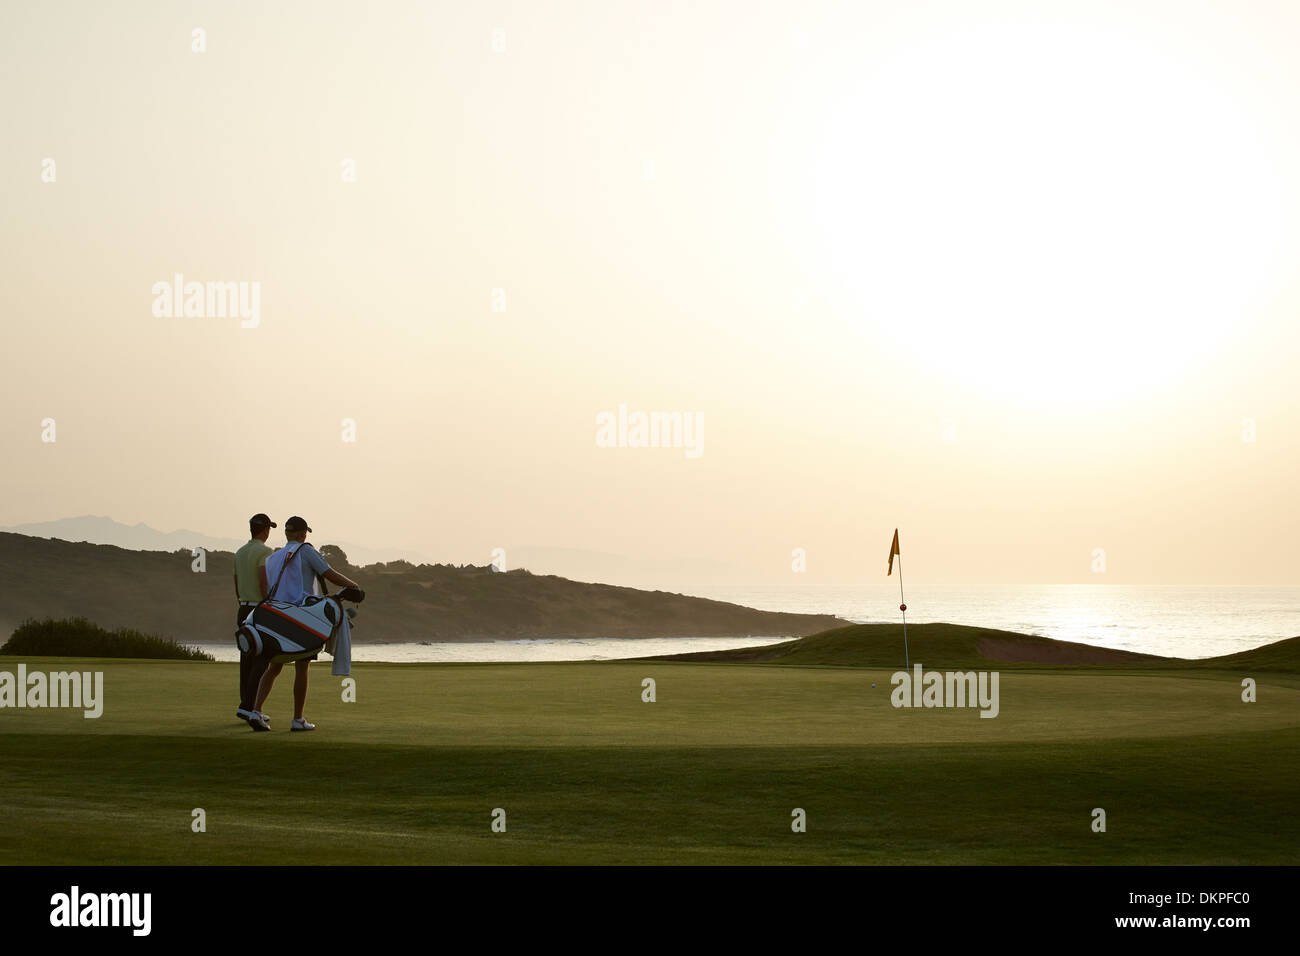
pixel 893 550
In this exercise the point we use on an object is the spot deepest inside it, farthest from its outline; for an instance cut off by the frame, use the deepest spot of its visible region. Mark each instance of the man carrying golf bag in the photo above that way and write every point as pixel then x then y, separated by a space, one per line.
pixel 295 623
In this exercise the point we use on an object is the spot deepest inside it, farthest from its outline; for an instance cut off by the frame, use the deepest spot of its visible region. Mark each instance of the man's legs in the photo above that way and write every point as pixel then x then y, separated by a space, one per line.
pixel 247 687
pixel 245 669
pixel 299 688
pixel 256 670
pixel 267 682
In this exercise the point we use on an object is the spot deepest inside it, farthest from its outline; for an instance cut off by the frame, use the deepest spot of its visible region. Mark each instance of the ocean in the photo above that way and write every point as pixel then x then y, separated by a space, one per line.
pixel 1174 621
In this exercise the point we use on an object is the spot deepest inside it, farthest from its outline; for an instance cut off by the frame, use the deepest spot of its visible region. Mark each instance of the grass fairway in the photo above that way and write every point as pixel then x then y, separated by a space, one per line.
pixel 709 773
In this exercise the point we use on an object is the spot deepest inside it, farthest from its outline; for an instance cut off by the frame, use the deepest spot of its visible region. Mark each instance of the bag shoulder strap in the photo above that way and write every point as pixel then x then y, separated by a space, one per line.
pixel 284 567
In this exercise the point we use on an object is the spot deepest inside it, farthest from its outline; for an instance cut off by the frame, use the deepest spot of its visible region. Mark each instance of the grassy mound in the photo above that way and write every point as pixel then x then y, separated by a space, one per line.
pixel 1278 656
pixel 948 646
pixel 934 645
pixel 77 637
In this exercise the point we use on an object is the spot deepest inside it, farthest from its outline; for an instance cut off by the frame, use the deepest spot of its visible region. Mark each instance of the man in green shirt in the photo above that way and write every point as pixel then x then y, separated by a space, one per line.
pixel 250 589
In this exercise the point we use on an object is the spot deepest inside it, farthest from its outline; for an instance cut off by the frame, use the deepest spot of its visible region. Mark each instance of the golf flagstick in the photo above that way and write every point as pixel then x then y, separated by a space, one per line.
pixel 902 605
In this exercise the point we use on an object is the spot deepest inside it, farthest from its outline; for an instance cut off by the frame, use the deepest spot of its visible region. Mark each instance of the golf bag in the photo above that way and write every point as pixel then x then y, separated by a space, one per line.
pixel 285 632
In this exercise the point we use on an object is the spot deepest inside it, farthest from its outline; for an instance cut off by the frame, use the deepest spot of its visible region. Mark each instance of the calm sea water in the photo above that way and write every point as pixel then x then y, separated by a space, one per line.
pixel 1170 621
pixel 590 649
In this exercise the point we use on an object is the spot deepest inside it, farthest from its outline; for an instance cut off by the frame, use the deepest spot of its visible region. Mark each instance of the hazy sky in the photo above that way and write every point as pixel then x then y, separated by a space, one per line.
pixel 1017 278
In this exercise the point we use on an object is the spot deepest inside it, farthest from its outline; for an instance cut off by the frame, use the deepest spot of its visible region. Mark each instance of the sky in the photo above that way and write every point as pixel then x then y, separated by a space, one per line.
pixel 1017 279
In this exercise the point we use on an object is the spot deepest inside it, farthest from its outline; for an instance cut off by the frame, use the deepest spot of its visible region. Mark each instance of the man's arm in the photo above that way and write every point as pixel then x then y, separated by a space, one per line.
pixel 236 587
pixel 261 579
pixel 342 580
pixel 321 567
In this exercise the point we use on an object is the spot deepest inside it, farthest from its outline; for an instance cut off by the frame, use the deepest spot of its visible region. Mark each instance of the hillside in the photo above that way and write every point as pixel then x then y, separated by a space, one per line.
pixel 949 646
pixel 156 592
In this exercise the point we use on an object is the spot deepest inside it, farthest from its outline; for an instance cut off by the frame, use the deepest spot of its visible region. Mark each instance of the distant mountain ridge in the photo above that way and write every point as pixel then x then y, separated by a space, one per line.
pixel 101 529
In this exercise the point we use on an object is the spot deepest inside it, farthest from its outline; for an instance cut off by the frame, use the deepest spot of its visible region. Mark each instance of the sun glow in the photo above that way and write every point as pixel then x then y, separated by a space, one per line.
pixel 1047 212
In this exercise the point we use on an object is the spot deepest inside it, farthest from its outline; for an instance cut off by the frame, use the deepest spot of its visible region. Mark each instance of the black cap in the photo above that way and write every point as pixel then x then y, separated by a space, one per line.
pixel 295 524
pixel 262 521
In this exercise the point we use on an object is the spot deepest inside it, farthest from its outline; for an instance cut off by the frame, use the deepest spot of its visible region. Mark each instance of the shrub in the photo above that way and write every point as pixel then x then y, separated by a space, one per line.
pixel 78 637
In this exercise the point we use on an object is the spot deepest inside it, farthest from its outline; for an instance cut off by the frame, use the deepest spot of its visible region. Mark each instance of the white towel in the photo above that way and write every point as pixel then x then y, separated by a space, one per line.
pixel 339 646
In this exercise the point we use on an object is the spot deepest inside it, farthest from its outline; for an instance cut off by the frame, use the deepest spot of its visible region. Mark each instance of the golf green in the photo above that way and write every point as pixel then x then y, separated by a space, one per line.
pixel 586 771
